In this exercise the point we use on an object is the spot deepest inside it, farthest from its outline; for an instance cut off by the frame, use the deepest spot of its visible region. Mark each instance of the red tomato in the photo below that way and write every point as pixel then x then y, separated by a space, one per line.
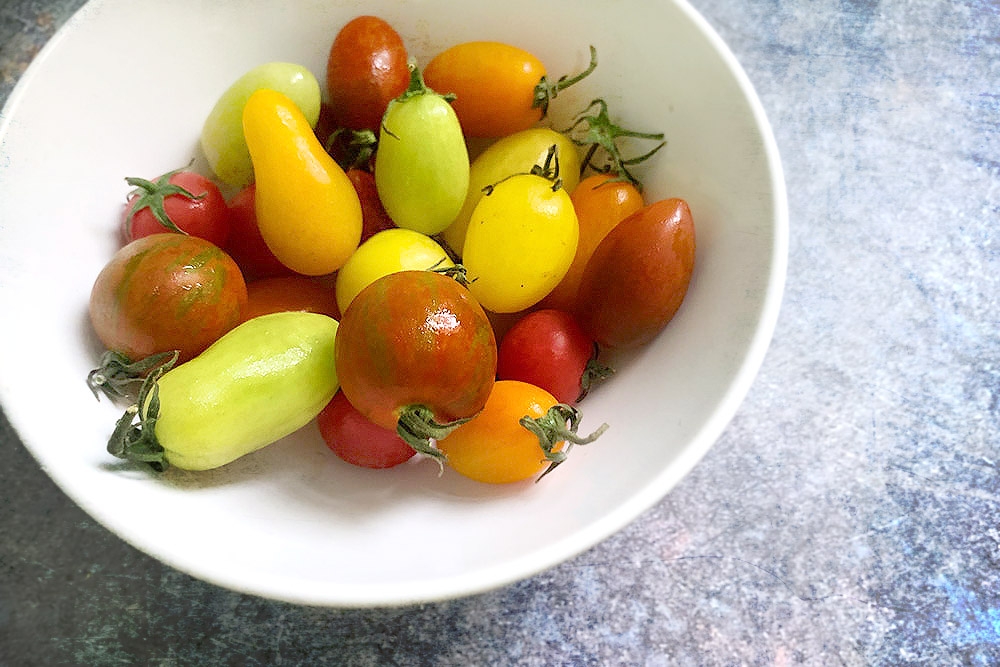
pixel 355 439
pixel 179 201
pixel 374 217
pixel 414 349
pixel 294 292
pixel 246 245
pixel 638 276
pixel 549 349
pixel 166 292
pixel 366 69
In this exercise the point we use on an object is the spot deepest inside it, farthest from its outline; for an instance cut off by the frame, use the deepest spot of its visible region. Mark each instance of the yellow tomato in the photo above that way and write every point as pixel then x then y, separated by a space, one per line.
pixel 307 209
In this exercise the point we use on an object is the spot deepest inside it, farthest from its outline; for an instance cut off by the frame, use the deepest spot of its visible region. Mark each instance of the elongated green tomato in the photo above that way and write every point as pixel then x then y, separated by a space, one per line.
pixel 387 252
pixel 521 241
pixel 222 134
pixel 422 169
pixel 263 380
pixel 307 208
pixel 513 154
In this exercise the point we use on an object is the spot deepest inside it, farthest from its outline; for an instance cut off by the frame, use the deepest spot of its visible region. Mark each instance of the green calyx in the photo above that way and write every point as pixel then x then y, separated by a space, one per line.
pixel 593 373
pixel 151 195
pixel 558 424
pixel 546 91
pixel 117 375
pixel 598 132
pixel 137 441
pixel 549 170
pixel 418 427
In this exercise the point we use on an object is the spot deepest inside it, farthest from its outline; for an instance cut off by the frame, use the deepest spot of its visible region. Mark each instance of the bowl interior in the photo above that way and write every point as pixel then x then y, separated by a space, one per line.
pixel 105 100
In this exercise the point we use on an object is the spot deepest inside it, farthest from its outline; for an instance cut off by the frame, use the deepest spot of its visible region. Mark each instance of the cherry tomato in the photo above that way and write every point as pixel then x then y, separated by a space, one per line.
pixel 499 88
pixel 520 242
pixel 365 69
pixel 416 351
pixel 374 219
pixel 389 251
pixel 422 168
pixel 355 439
pixel 638 276
pixel 290 293
pixel 520 431
pixel 548 348
pixel 600 201
pixel 245 245
pixel 179 201
pixel 166 292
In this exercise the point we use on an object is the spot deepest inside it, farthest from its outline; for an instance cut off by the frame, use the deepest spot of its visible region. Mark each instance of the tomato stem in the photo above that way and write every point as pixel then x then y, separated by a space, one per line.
pixel 559 424
pixel 417 427
pixel 593 373
pixel 545 91
pixel 117 374
pixel 151 195
pixel 601 133
pixel 137 442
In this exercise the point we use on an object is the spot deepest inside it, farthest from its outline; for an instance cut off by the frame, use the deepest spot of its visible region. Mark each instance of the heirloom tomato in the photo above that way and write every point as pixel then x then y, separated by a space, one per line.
pixel 422 167
pixel 499 88
pixel 245 245
pixel 222 138
pixel 355 439
pixel 387 252
pixel 166 292
pixel 263 380
pixel 292 292
pixel 521 240
pixel 600 201
pixel 416 353
pixel 520 431
pixel 180 201
pixel 366 69
pixel 638 276
pixel 514 154
pixel 307 208
pixel 548 348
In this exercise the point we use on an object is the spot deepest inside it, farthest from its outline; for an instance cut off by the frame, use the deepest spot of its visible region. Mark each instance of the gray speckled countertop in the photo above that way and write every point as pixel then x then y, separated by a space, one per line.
pixel 849 515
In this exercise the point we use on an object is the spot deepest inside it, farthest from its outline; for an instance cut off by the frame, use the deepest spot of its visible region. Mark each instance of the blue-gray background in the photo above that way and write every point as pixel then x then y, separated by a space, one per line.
pixel 848 516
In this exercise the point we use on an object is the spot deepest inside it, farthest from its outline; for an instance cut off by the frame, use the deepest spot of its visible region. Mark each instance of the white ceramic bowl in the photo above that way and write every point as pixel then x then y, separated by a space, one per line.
pixel 123 89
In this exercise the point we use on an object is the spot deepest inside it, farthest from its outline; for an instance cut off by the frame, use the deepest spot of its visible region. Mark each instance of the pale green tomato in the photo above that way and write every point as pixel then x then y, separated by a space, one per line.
pixel 387 252
pixel 513 154
pixel 521 240
pixel 222 134
pixel 422 169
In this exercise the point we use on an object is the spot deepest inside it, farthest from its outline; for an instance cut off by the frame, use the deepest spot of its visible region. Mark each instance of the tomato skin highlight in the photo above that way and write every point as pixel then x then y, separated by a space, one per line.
pixel 366 69
pixel 493 83
pixel 206 215
pixel 358 441
pixel 638 276
pixel 166 292
pixel 494 447
pixel 415 338
pixel 307 209
pixel 549 349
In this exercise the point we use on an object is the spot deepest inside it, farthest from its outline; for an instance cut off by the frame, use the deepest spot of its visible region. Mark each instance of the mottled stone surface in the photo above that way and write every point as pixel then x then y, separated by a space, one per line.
pixel 848 516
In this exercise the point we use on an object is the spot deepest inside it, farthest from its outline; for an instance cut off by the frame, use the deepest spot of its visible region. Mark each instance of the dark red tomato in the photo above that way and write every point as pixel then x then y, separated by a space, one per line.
pixel 374 217
pixel 355 439
pixel 638 276
pixel 179 201
pixel 366 69
pixel 549 349
pixel 414 347
pixel 246 246
pixel 166 292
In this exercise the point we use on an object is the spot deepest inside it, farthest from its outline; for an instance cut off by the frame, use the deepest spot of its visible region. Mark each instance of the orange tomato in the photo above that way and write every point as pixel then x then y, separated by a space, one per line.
pixel 600 202
pixel 499 88
pixel 293 292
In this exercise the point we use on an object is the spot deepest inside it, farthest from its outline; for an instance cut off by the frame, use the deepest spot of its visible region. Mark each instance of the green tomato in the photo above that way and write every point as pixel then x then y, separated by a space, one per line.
pixel 263 380
pixel 387 252
pixel 222 134
pixel 513 154
pixel 521 240
pixel 422 169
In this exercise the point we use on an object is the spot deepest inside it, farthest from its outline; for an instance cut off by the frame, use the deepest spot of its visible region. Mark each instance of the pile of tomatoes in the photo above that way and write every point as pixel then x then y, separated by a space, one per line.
pixel 367 273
